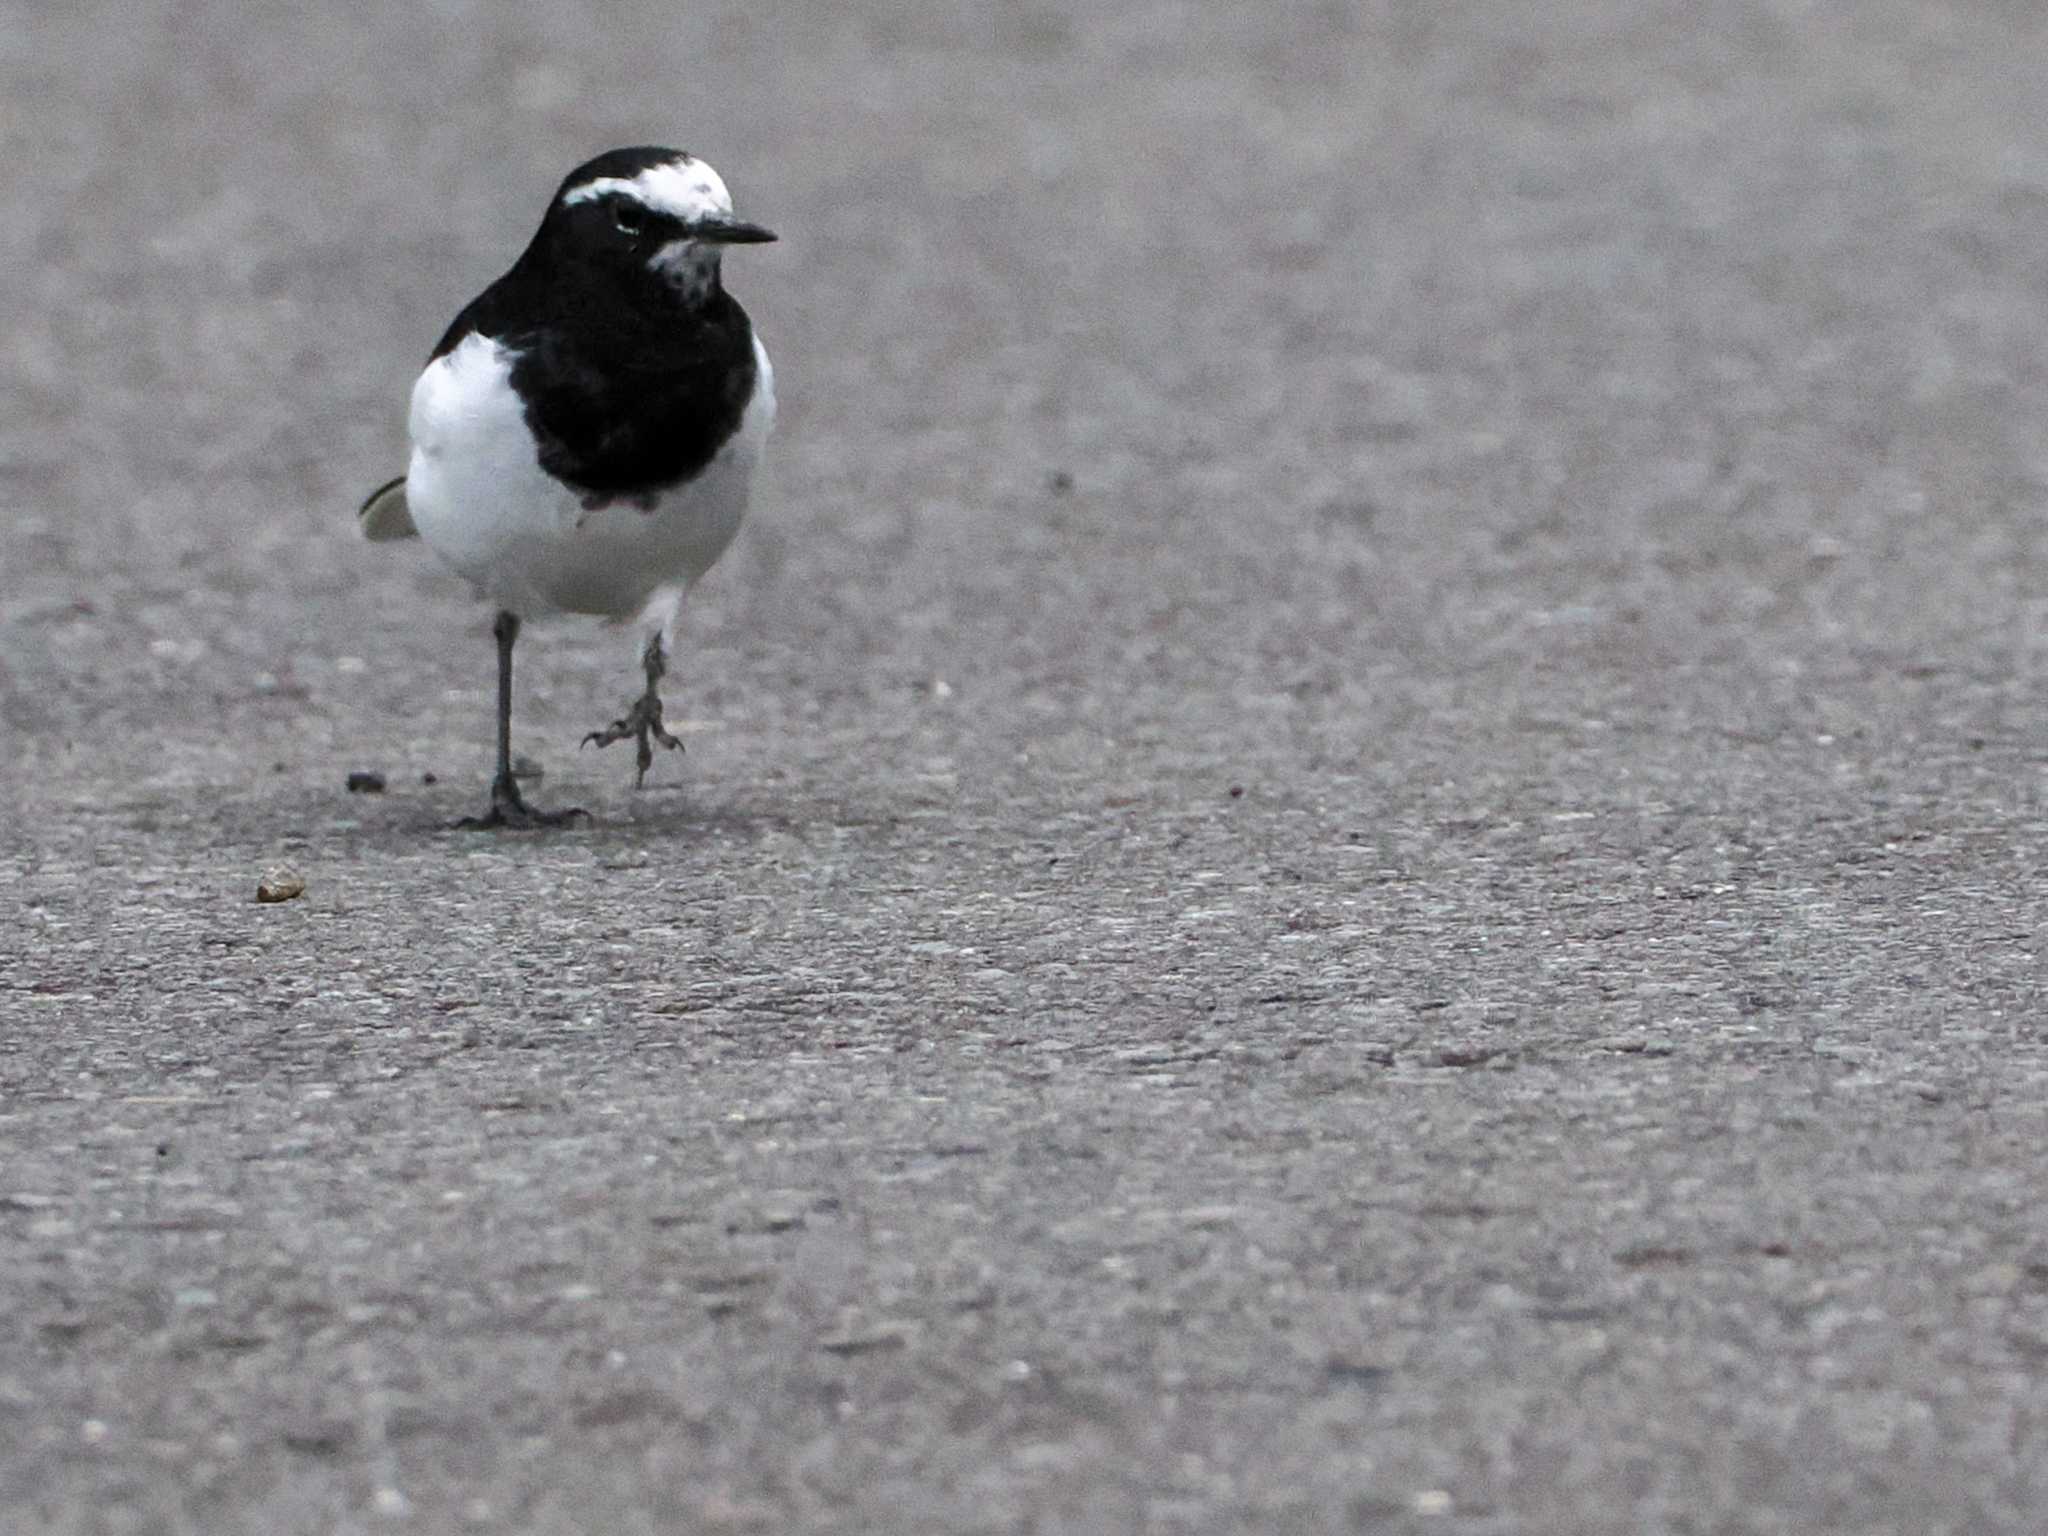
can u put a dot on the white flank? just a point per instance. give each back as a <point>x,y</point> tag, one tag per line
<point>481,500</point>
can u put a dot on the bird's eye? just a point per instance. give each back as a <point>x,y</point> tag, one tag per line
<point>631,218</point>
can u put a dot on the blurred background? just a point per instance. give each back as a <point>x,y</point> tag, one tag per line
<point>1297,356</point>
<point>1362,840</point>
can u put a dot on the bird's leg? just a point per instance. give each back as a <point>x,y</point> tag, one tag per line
<point>642,720</point>
<point>508,806</point>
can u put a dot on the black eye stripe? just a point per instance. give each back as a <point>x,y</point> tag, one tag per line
<point>630,216</point>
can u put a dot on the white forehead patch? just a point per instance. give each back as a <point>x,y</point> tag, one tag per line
<point>682,189</point>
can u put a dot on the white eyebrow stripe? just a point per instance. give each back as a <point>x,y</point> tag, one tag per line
<point>683,189</point>
<point>604,186</point>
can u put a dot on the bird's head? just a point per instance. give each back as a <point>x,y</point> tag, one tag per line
<point>652,210</point>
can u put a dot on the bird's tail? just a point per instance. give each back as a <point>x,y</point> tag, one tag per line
<point>385,515</point>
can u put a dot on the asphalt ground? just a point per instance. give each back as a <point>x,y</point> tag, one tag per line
<point>1362,840</point>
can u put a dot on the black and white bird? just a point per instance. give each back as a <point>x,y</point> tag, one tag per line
<point>585,436</point>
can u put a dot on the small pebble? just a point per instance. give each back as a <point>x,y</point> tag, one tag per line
<point>280,885</point>
<point>1470,1055</point>
<point>365,782</point>
<point>882,1337</point>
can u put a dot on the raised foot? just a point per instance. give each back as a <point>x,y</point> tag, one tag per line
<point>509,811</point>
<point>643,723</point>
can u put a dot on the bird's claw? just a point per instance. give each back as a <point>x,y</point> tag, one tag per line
<point>509,811</point>
<point>643,723</point>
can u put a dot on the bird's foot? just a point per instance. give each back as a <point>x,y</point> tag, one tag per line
<point>510,810</point>
<point>643,723</point>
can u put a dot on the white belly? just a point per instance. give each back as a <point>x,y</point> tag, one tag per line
<point>483,503</point>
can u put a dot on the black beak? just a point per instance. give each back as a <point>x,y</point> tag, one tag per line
<point>716,231</point>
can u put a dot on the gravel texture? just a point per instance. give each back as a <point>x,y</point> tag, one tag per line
<point>1362,841</point>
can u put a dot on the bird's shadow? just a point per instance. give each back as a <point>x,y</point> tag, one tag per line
<point>316,818</point>
<point>669,814</point>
